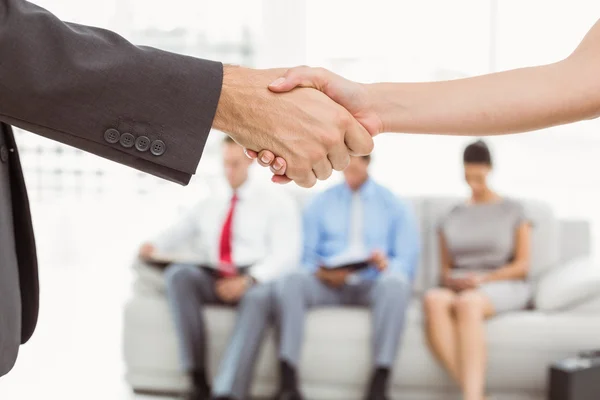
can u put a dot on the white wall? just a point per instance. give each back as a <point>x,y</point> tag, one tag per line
<point>367,41</point>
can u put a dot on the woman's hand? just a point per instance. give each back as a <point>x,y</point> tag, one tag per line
<point>469,282</point>
<point>313,133</point>
<point>277,165</point>
<point>451,283</point>
<point>353,96</point>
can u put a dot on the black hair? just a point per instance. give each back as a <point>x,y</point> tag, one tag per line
<point>477,153</point>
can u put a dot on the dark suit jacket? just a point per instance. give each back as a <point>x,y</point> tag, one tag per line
<point>91,89</point>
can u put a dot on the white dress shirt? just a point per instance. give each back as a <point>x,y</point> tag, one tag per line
<point>266,230</point>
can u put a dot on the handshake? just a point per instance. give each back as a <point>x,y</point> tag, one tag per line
<point>303,123</point>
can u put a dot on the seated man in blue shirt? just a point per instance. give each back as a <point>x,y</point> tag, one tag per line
<point>356,220</point>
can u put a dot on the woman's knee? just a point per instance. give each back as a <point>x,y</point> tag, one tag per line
<point>470,302</point>
<point>438,299</point>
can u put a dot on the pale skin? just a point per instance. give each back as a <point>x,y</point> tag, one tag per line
<point>456,312</point>
<point>512,101</point>
<point>235,165</point>
<point>314,134</point>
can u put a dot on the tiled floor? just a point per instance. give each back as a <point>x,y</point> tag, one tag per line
<point>76,351</point>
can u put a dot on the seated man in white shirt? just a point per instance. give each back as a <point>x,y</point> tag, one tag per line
<point>241,240</point>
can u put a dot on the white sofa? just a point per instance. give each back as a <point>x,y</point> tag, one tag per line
<point>336,356</point>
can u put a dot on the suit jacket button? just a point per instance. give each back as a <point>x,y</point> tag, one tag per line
<point>3,154</point>
<point>112,136</point>
<point>158,148</point>
<point>127,140</point>
<point>142,143</point>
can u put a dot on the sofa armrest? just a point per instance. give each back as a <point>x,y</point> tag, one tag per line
<point>566,287</point>
<point>149,279</point>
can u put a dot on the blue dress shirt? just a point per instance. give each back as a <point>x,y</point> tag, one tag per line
<point>389,225</point>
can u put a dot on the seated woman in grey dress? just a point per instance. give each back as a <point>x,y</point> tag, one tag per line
<point>484,247</point>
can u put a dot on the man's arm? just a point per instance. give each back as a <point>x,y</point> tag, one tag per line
<point>153,110</point>
<point>184,229</point>
<point>284,242</point>
<point>73,83</point>
<point>406,242</point>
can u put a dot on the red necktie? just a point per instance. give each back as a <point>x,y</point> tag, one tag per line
<point>226,267</point>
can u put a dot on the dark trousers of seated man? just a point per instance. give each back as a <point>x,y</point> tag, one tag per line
<point>387,296</point>
<point>189,289</point>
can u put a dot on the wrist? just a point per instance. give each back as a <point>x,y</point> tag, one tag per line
<point>372,111</point>
<point>236,91</point>
<point>445,278</point>
<point>390,104</point>
<point>222,116</point>
<point>378,96</point>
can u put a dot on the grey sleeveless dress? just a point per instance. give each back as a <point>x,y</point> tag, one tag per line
<point>481,238</point>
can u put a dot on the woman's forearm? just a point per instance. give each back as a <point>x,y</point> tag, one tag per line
<point>506,102</point>
<point>515,271</point>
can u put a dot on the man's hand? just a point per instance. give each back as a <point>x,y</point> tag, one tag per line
<point>146,251</point>
<point>335,278</point>
<point>380,260</point>
<point>304,127</point>
<point>352,96</point>
<point>231,290</point>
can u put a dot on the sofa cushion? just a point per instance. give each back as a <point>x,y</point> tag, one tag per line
<point>561,288</point>
<point>591,306</point>
<point>523,344</point>
<point>420,283</point>
<point>435,210</point>
<point>575,239</point>
<point>545,248</point>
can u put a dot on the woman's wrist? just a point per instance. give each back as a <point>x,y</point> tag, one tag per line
<point>484,278</point>
<point>445,280</point>
<point>378,99</point>
<point>391,103</point>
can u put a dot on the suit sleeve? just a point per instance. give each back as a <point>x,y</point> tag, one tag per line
<point>90,88</point>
